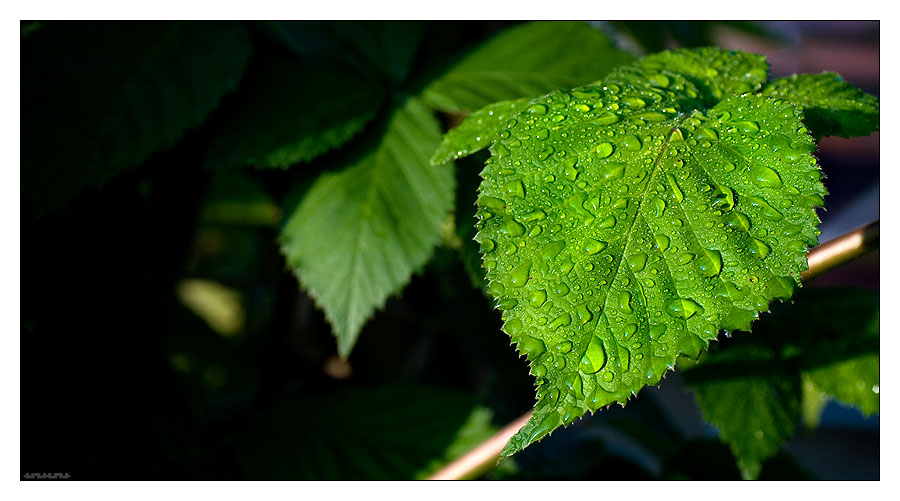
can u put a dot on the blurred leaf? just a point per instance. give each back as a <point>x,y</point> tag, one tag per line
<point>754,415</point>
<point>290,112</point>
<point>525,61</point>
<point>99,98</point>
<point>383,433</point>
<point>654,36</point>
<point>751,390</point>
<point>832,106</point>
<point>854,382</point>
<point>384,49</point>
<point>359,233</point>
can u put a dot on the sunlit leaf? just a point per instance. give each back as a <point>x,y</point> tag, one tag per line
<point>626,222</point>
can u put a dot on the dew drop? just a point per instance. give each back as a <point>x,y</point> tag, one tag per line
<point>564,346</point>
<point>609,222</point>
<point>662,242</point>
<point>536,298</point>
<point>594,357</point>
<point>684,308</point>
<point>583,314</point>
<point>611,170</point>
<point>767,210</point>
<point>758,248</point>
<point>560,321</point>
<point>603,150</point>
<point>685,258</point>
<point>676,190</point>
<point>710,263</point>
<point>625,301</point>
<point>592,246</point>
<point>637,262</point>
<point>519,276</point>
<point>764,177</point>
<point>514,189</point>
<point>513,228</point>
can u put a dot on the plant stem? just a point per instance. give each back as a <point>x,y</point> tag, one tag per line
<point>823,258</point>
<point>842,250</point>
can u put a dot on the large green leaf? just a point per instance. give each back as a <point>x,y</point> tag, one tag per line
<point>626,222</point>
<point>832,106</point>
<point>290,112</point>
<point>408,433</point>
<point>750,387</point>
<point>524,61</point>
<point>99,98</point>
<point>360,232</point>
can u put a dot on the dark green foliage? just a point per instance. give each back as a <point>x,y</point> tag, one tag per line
<point>100,98</point>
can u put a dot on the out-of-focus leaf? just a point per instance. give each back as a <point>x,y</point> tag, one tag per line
<point>751,390</point>
<point>290,112</point>
<point>525,61</point>
<point>383,433</point>
<point>832,107</point>
<point>99,98</point>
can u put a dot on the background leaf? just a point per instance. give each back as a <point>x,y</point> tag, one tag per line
<point>749,388</point>
<point>289,112</point>
<point>359,233</point>
<point>622,225</point>
<point>524,61</point>
<point>396,432</point>
<point>100,98</point>
<point>832,106</point>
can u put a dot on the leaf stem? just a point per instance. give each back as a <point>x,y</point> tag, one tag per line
<point>823,258</point>
<point>841,250</point>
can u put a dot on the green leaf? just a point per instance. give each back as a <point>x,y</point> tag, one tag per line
<point>624,223</point>
<point>100,98</point>
<point>754,388</point>
<point>716,73</point>
<point>854,382</point>
<point>832,106</point>
<point>523,61</point>
<point>291,112</point>
<point>415,431</point>
<point>360,232</point>
<point>476,132</point>
<point>754,414</point>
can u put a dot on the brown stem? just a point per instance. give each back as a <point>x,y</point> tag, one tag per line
<point>823,258</point>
